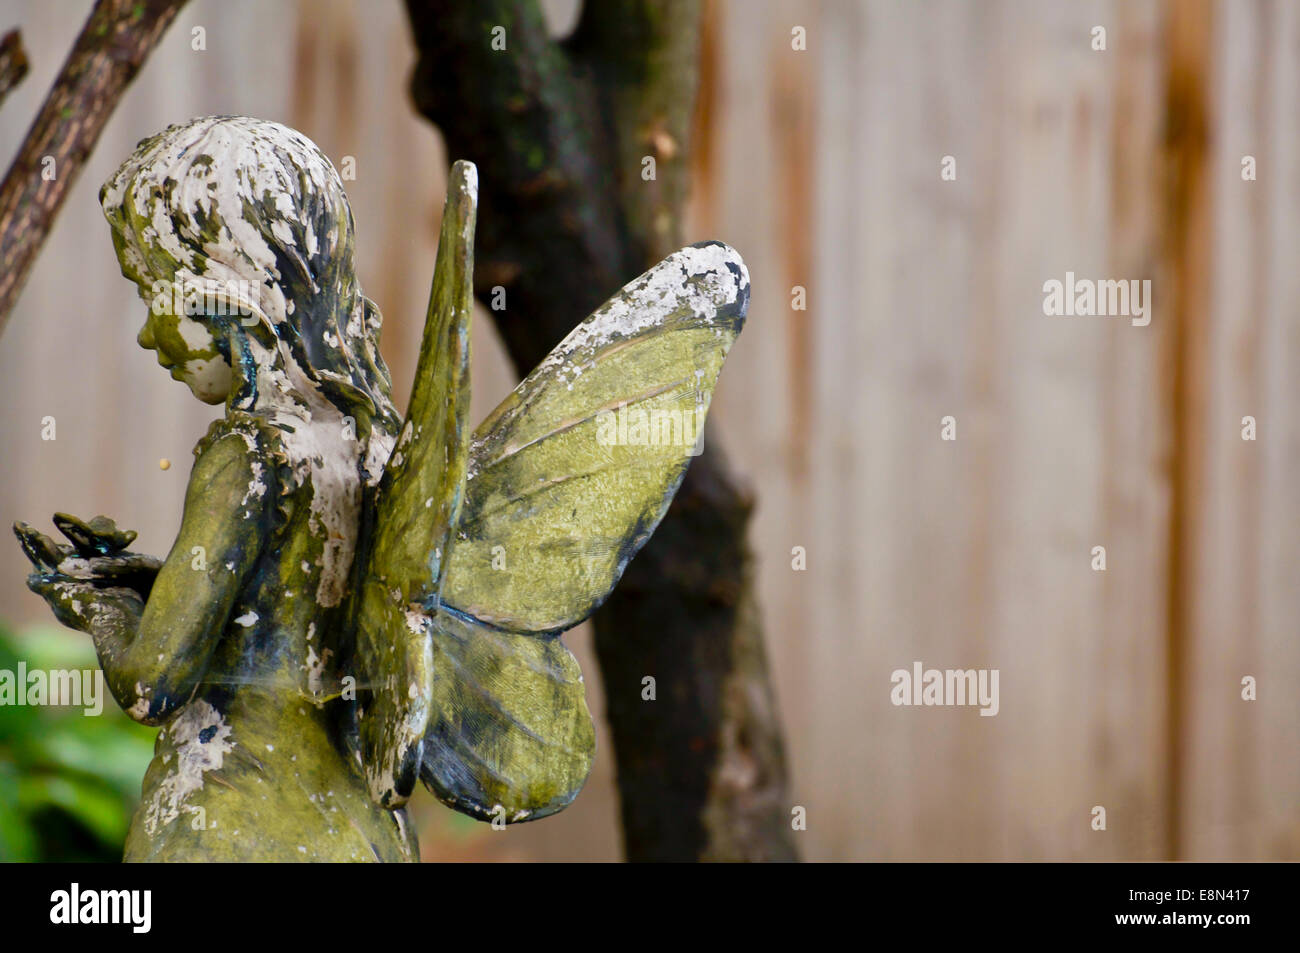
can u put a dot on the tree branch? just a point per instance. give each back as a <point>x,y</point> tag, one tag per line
<point>643,58</point>
<point>559,133</point>
<point>13,62</point>
<point>517,114</point>
<point>113,45</point>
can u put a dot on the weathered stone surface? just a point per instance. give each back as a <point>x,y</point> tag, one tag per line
<point>354,600</point>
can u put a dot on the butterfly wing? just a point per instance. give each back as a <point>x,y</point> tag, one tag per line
<point>481,551</point>
<point>567,479</point>
<point>417,504</point>
<point>570,475</point>
<point>510,735</point>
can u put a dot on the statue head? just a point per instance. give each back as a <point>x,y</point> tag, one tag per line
<point>239,235</point>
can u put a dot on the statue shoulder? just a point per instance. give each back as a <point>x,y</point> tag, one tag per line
<point>264,451</point>
<point>259,435</point>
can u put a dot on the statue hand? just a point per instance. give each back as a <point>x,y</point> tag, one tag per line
<point>99,537</point>
<point>96,568</point>
<point>77,603</point>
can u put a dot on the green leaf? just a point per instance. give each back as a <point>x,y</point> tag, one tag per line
<point>87,801</point>
<point>64,775</point>
<point>112,749</point>
<point>17,838</point>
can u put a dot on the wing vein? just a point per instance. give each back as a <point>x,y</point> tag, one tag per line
<point>566,425</point>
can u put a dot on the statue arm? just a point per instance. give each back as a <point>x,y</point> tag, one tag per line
<point>154,653</point>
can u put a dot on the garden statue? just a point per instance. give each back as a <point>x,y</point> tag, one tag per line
<point>356,600</point>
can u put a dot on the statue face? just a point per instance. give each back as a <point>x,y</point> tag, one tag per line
<point>187,348</point>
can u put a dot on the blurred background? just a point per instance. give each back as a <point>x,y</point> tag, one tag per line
<point>822,165</point>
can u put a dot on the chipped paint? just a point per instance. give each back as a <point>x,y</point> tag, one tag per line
<point>252,206</point>
<point>239,202</point>
<point>667,287</point>
<point>202,740</point>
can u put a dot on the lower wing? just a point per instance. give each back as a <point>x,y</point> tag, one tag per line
<point>509,733</point>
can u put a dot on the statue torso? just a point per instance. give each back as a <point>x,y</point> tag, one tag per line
<point>258,747</point>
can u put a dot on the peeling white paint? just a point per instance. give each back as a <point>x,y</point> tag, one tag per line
<point>256,488</point>
<point>140,710</point>
<point>194,759</point>
<point>661,292</point>
<point>253,162</point>
<point>316,666</point>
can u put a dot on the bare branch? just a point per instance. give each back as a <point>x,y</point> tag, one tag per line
<point>113,45</point>
<point>549,231</point>
<point>13,62</point>
<point>643,56</point>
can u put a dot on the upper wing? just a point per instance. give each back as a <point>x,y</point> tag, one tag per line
<point>417,504</point>
<point>570,475</point>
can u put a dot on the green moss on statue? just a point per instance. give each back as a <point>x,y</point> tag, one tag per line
<point>356,600</point>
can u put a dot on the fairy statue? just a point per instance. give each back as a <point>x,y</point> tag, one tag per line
<point>357,600</point>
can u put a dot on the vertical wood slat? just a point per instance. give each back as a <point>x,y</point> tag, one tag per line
<point>927,303</point>
<point>1187,246</point>
<point>1240,774</point>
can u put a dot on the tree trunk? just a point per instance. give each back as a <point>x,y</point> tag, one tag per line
<point>560,133</point>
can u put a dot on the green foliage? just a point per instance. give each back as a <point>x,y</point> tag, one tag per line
<point>68,782</point>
